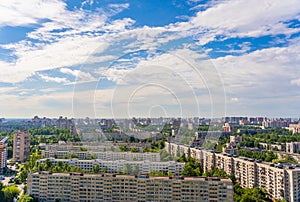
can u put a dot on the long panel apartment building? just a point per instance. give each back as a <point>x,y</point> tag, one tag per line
<point>119,166</point>
<point>280,181</point>
<point>107,155</point>
<point>47,186</point>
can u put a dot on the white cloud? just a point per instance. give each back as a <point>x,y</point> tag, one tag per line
<point>53,79</point>
<point>263,76</point>
<point>69,38</point>
<point>295,82</point>
<point>50,104</point>
<point>17,13</point>
<point>251,18</point>
<point>66,52</point>
<point>80,75</point>
<point>234,99</point>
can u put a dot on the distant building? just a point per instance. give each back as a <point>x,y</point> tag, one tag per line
<point>279,123</point>
<point>47,186</point>
<point>3,155</point>
<point>106,123</point>
<point>41,122</point>
<point>64,122</point>
<point>295,128</point>
<point>235,139</point>
<point>227,127</point>
<point>230,149</point>
<point>293,147</point>
<point>21,146</point>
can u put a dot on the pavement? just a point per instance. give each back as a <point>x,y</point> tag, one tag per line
<point>7,179</point>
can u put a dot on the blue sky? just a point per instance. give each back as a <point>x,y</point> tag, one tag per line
<point>127,58</point>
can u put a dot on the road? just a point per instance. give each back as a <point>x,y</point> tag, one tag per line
<point>7,179</point>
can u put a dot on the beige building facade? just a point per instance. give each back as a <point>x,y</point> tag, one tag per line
<point>47,186</point>
<point>21,146</point>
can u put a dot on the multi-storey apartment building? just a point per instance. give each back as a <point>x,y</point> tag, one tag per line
<point>98,146</point>
<point>281,181</point>
<point>3,155</point>
<point>47,186</point>
<point>108,155</point>
<point>135,167</point>
<point>225,162</point>
<point>21,146</point>
<point>244,171</point>
<point>292,183</point>
<point>292,147</point>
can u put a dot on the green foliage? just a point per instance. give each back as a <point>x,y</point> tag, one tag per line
<point>25,198</point>
<point>191,168</point>
<point>249,194</point>
<point>157,173</point>
<point>136,169</point>
<point>133,149</point>
<point>182,158</point>
<point>104,170</point>
<point>165,156</point>
<point>10,192</point>
<point>83,149</point>
<point>50,135</point>
<point>96,169</point>
<point>287,159</point>
<point>268,156</point>
<point>22,177</point>
<point>127,169</point>
<point>203,128</point>
<point>73,155</point>
<point>215,172</point>
<point>221,143</point>
<point>275,136</point>
<point>123,148</point>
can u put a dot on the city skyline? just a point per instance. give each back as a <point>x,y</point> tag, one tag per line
<point>136,58</point>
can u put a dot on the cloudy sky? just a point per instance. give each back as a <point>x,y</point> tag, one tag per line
<point>125,58</point>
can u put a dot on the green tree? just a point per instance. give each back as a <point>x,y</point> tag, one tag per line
<point>133,149</point>
<point>151,172</point>
<point>127,169</point>
<point>73,155</point>
<point>25,198</point>
<point>136,169</point>
<point>104,170</point>
<point>10,193</point>
<point>188,170</point>
<point>48,164</point>
<point>23,176</point>
<point>96,168</point>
